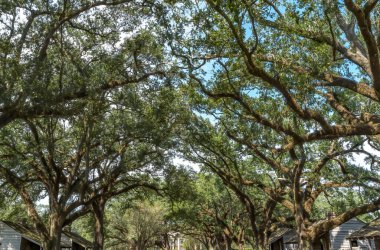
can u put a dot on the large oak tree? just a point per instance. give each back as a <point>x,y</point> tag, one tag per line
<point>296,84</point>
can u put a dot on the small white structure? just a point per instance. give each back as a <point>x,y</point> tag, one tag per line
<point>14,236</point>
<point>337,239</point>
<point>283,239</point>
<point>338,236</point>
<point>176,241</point>
<point>369,235</point>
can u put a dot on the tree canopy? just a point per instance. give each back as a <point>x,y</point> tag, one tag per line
<point>275,104</point>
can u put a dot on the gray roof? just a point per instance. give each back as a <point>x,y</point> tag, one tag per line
<point>31,234</point>
<point>78,239</point>
<point>25,231</point>
<point>293,238</point>
<point>372,230</point>
<point>279,233</point>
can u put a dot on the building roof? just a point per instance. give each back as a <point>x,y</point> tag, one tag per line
<point>372,230</point>
<point>24,230</point>
<point>293,238</point>
<point>30,234</point>
<point>78,239</point>
<point>279,233</point>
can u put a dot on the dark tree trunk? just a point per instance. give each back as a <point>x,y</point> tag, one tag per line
<point>262,241</point>
<point>260,248</point>
<point>98,207</point>
<point>53,242</point>
<point>166,242</point>
<point>305,244</point>
<point>227,242</point>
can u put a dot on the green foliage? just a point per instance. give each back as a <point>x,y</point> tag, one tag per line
<point>138,227</point>
<point>272,100</point>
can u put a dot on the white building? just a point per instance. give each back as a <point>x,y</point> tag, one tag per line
<point>337,239</point>
<point>14,236</point>
<point>369,234</point>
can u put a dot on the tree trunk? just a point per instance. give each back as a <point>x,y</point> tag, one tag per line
<point>262,240</point>
<point>98,211</point>
<point>52,244</point>
<point>55,232</point>
<point>166,242</point>
<point>305,244</point>
<point>207,243</point>
<point>227,242</point>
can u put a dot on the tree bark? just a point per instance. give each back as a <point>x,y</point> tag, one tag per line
<point>304,244</point>
<point>262,240</point>
<point>98,207</point>
<point>227,242</point>
<point>260,248</point>
<point>166,242</point>
<point>53,242</point>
